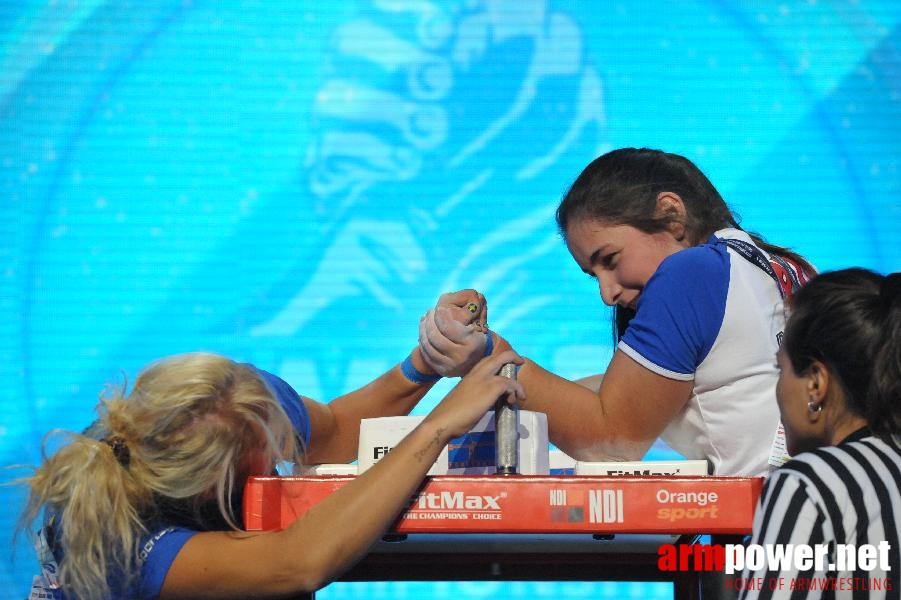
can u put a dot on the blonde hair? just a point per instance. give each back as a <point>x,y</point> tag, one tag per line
<point>183,438</point>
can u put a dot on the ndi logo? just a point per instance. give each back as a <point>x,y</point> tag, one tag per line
<point>605,506</point>
<point>558,497</point>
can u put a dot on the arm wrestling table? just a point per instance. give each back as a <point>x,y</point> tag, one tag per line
<point>530,528</point>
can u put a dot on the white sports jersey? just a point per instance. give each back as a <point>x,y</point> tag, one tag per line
<point>712,316</point>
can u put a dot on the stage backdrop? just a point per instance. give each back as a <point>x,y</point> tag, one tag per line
<point>294,183</point>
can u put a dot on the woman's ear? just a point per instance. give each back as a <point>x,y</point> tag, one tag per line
<point>818,382</point>
<point>670,205</point>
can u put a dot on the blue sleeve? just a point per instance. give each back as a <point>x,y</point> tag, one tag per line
<point>680,311</point>
<point>157,553</point>
<point>291,402</point>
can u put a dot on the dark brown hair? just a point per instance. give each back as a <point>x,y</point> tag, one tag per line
<point>621,188</point>
<point>850,320</point>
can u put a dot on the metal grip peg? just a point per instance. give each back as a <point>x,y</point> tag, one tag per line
<point>506,430</point>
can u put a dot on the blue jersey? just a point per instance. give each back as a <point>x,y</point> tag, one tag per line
<point>159,549</point>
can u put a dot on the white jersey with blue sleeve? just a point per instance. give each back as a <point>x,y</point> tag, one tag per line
<point>711,316</point>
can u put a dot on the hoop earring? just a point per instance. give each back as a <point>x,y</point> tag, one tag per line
<point>813,408</point>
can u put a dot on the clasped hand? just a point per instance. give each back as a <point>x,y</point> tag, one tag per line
<point>453,335</point>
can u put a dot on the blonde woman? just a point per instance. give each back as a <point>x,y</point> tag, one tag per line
<point>146,504</point>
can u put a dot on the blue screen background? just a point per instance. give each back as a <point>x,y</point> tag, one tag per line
<point>294,184</point>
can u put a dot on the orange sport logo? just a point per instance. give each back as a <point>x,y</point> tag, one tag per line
<point>680,506</point>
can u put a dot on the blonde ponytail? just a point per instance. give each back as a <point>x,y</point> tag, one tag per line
<point>183,436</point>
<point>93,507</point>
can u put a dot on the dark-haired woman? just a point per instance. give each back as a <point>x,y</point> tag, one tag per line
<point>839,395</point>
<point>699,316</point>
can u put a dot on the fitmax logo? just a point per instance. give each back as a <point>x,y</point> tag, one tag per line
<point>641,472</point>
<point>456,501</point>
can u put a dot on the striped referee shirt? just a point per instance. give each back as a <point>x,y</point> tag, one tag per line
<point>846,494</point>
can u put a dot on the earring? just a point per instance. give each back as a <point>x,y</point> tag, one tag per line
<point>814,408</point>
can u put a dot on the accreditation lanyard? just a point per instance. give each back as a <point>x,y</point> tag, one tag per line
<point>788,276</point>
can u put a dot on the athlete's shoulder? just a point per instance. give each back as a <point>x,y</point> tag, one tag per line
<point>706,260</point>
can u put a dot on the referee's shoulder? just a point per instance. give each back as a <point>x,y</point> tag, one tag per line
<point>813,462</point>
<point>827,459</point>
